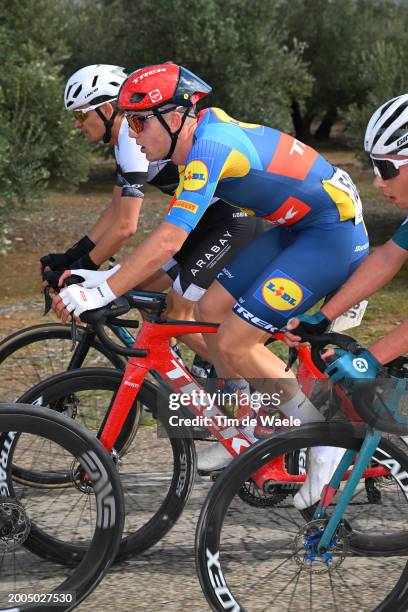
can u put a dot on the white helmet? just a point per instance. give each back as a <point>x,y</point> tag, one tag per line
<point>387,130</point>
<point>93,85</point>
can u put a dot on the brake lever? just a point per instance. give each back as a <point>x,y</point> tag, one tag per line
<point>73,333</point>
<point>292,356</point>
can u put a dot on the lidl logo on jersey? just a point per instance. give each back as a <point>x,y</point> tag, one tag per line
<point>281,292</point>
<point>195,175</point>
<point>185,206</point>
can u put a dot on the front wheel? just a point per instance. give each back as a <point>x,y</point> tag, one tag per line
<point>263,559</point>
<point>33,521</point>
<point>156,469</point>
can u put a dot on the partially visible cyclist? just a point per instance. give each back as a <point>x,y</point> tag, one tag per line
<point>316,241</point>
<point>386,141</point>
<point>91,95</point>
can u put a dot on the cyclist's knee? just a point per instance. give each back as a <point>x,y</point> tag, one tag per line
<point>231,352</point>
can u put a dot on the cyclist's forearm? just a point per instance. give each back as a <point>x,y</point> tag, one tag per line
<point>374,273</point>
<point>119,224</point>
<point>104,221</point>
<point>147,257</point>
<point>392,345</point>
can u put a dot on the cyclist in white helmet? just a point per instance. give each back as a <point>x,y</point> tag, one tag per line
<point>91,94</point>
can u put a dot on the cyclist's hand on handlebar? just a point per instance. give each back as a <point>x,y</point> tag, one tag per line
<point>77,299</point>
<point>316,324</point>
<point>58,307</point>
<point>91,278</point>
<point>350,368</point>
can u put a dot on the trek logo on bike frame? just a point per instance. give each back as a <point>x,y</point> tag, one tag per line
<point>6,443</point>
<point>236,439</point>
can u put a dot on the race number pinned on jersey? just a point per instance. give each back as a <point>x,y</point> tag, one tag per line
<point>341,180</point>
<point>350,318</point>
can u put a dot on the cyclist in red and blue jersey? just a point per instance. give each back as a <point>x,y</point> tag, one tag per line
<point>316,241</point>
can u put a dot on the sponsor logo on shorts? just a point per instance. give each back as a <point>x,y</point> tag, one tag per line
<point>185,206</point>
<point>195,175</point>
<point>217,249</point>
<point>226,272</point>
<point>361,247</point>
<point>281,292</point>
<point>251,318</point>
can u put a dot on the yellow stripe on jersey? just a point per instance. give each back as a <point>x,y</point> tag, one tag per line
<point>222,116</point>
<point>235,166</point>
<point>342,200</point>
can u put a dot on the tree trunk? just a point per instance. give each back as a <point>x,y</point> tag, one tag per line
<point>324,129</point>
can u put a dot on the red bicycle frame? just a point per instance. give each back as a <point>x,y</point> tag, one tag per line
<point>155,338</point>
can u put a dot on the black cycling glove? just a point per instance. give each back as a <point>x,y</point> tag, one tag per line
<point>63,261</point>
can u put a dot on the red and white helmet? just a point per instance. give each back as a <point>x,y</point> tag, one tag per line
<point>155,86</point>
<point>387,130</point>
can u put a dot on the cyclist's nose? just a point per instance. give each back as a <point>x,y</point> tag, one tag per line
<point>378,182</point>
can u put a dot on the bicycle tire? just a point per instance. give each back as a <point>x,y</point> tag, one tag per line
<point>217,576</point>
<point>64,406</point>
<point>78,443</point>
<point>180,453</point>
<point>26,353</point>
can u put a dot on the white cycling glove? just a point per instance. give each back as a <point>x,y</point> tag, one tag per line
<point>77,299</point>
<point>93,278</point>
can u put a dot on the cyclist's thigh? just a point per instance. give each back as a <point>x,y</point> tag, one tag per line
<point>224,233</point>
<point>318,260</point>
<point>159,281</point>
<point>215,304</point>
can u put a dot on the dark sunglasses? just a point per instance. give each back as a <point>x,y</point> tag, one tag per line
<point>387,168</point>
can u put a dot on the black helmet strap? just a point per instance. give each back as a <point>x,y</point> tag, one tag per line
<point>173,135</point>
<point>108,123</point>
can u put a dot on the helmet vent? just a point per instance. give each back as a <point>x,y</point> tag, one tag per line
<point>137,97</point>
<point>94,80</point>
<point>77,91</point>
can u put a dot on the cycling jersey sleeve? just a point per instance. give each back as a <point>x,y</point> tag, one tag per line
<point>401,235</point>
<point>208,162</point>
<point>132,165</point>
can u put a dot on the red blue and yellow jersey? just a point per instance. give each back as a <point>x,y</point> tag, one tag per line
<point>263,171</point>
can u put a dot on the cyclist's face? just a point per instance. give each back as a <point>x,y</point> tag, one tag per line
<point>153,139</point>
<point>395,189</point>
<point>92,127</point>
